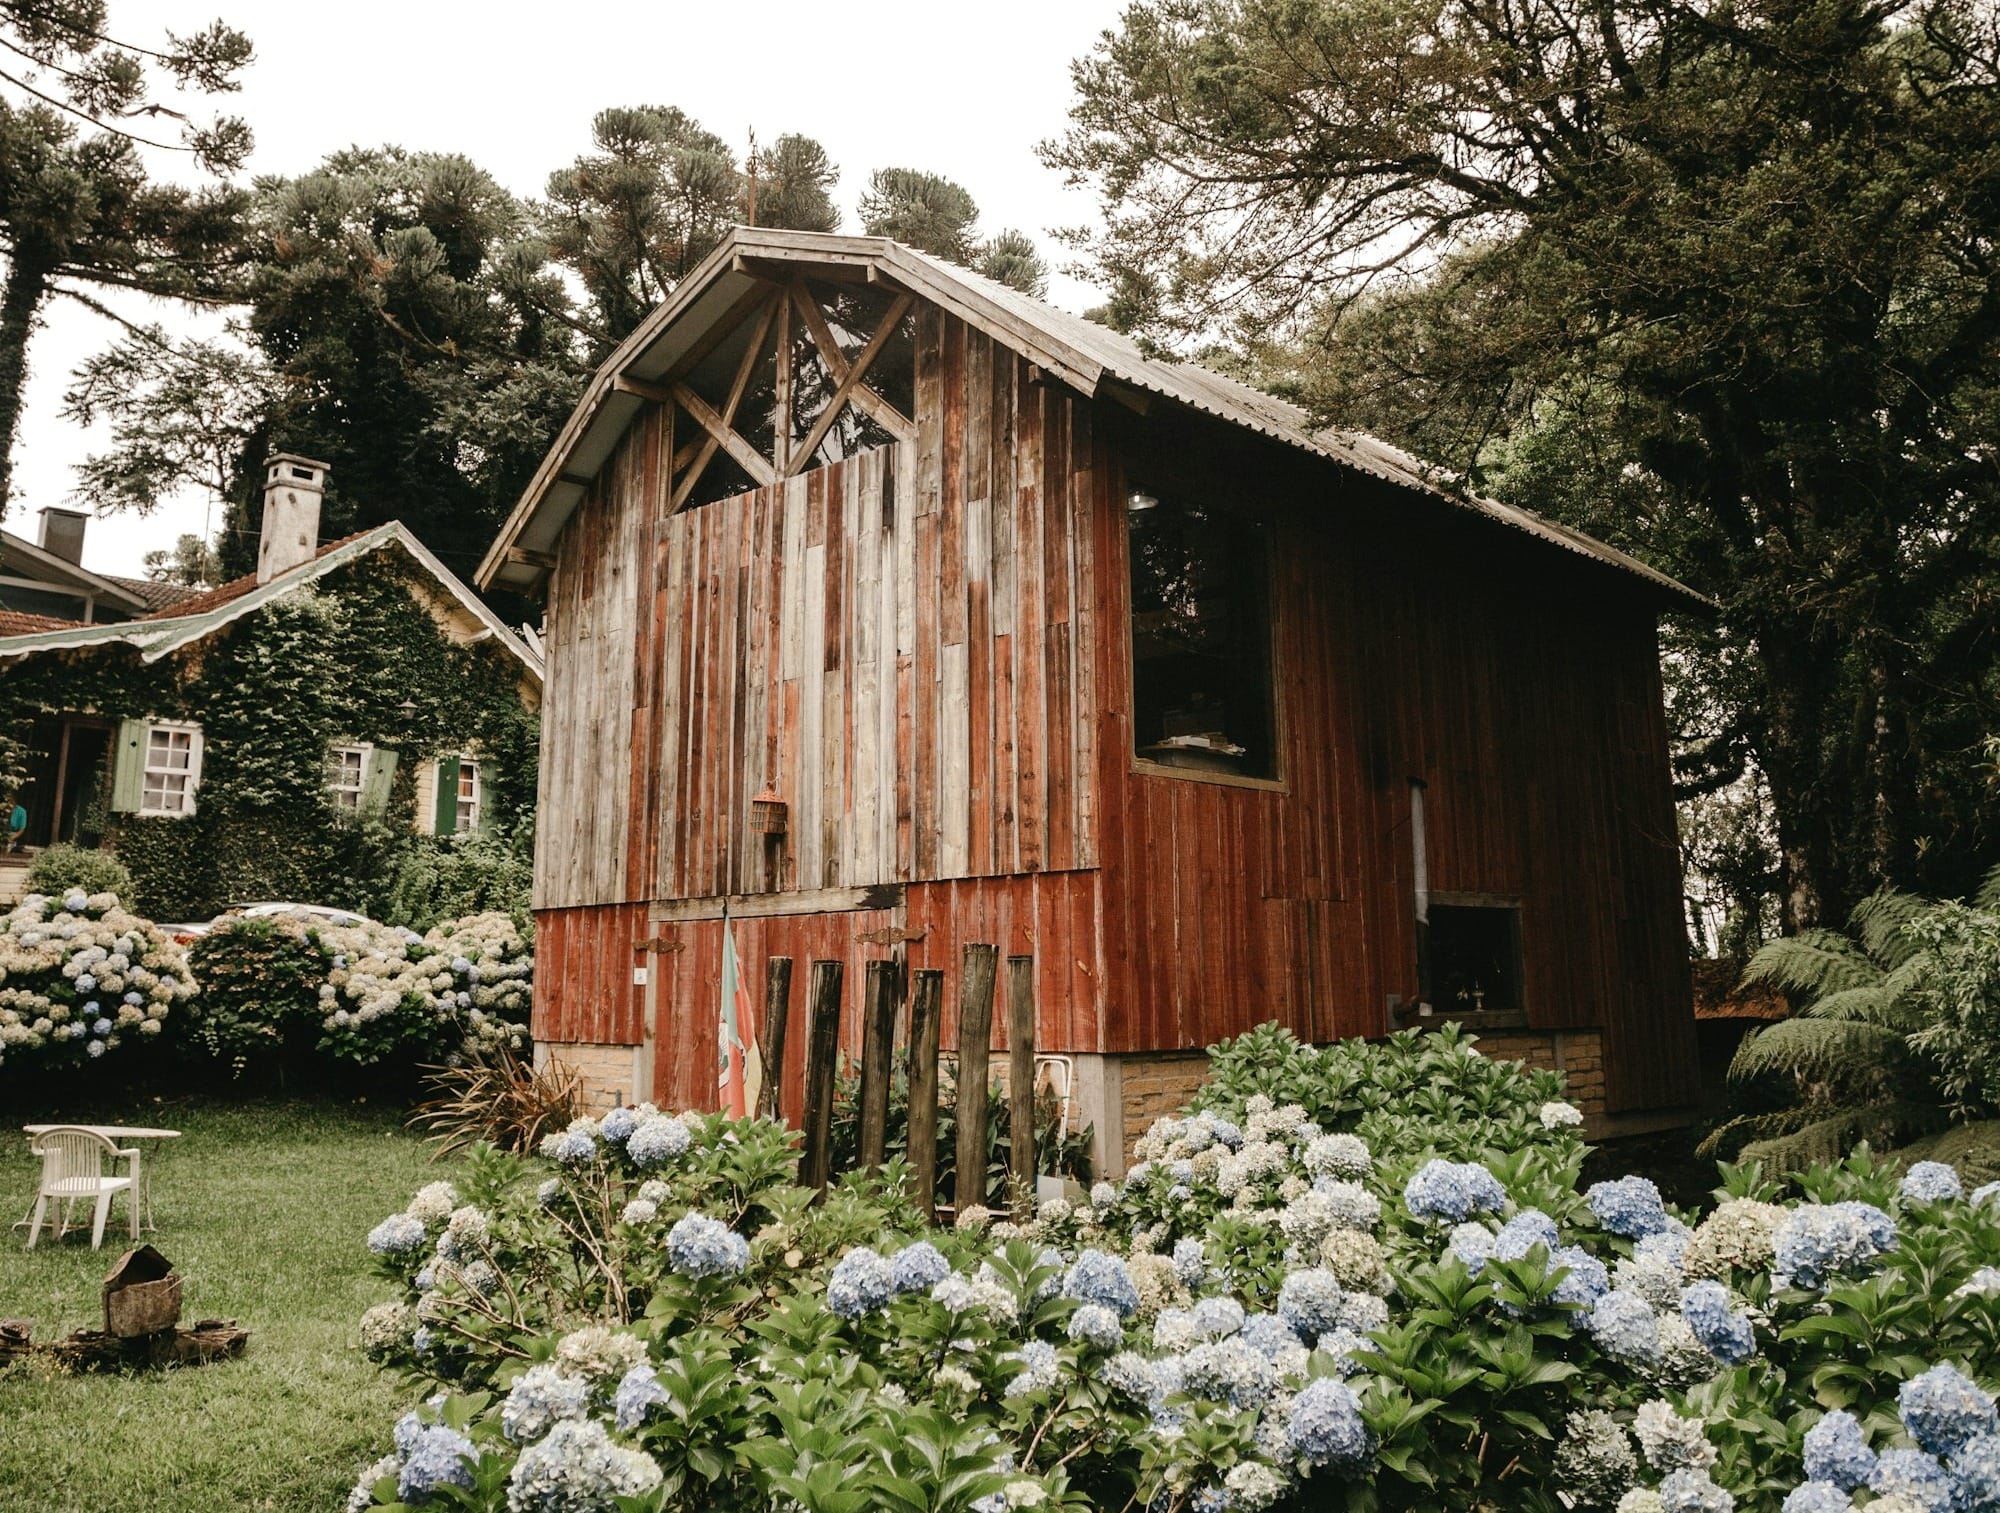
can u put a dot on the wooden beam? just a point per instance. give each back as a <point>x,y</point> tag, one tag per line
<point>781,405</point>
<point>743,371</point>
<point>1021,1084</point>
<point>926,1013</point>
<point>752,461</point>
<point>864,398</point>
<point>639,388</point>
<point>771,1044</point>
<point>822,1057</point>
<point>851,386</point>
<point>878,1034</point>
<point>524,557</point>
<point>779,905</point>
<point>975,1039</point>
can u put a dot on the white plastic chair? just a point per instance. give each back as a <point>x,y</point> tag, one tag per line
<point>73,1170</point>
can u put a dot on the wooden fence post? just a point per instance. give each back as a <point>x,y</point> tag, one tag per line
<point>1021,1082</point>
<point>975,1038</point>
<point>822,1052</point>
<point>926,1012</point>
<point>878,1038</point>
<point>777,1009</point>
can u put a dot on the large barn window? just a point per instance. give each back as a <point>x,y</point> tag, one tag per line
<point>1201,638</point>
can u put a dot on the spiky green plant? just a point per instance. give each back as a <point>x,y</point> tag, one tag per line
<point>1896,1031</point>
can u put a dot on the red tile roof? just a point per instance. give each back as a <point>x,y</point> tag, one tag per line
<point>151,592</point>
<point>14,622</point>
<point>214,598</point>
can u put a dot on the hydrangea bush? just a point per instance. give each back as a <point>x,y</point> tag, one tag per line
<point>366,993</point>
<point>80,977</point>
<point>1285,1305</point>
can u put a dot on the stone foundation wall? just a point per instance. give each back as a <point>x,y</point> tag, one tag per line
<point>1577,1054</point>
<point>610,1072</point>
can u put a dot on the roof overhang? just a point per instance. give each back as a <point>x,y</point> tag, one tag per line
<point>19,553</point>
<point>1090,358</point>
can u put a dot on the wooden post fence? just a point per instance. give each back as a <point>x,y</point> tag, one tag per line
<point>822,1053</point>
<point>777,1009</point>
<point>878,1039</point>
<point>1021,1083</point>
<point>926,1013</point>
<point>975,1038</point>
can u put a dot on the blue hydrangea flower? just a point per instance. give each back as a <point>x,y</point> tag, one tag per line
<point>397,1235</point>
<point>1190,1263</point>
<point>439,1457</point>
<point>618,1125</point>
<point>1630,1207</point>
<point>1976,1464</point>
<point>1310,1301</point>
<point>1228,1370</point>
<point>1473,1244</point>
<point>918,1267</point>
<point>1102,1195</point>
<point>1727,1334</point>
<point>1216,1317</point>
<point>1985,1194</point>
<point>1038,1368</point>
<point>1931,1182</point>
<point>1100,1278</point>
<point>1668,1245</point>
<point>1453,1191</point>
<point>861,1283</point>
<point>638,1390</point>
<point>1586,1280</point>
<point>656,1140</point>
<point>1625,1327</point>
<point>1522,1233</point>
<point>1691,1491</point>
<point>1097,1326</point>
<point>1837,1451</point>
<point>698,1246</point>
<point>541,1398</point>
<point>572,1147</point>
<point>1269,1335</point>
<point>547,1193</point>
<point>1915,1475</point>
<point>1818,1242</point>
<point>1944,1408</point>
<point>1130,1373</point>
<point>1326,1427</point>
<point>1817,1497</point>
<point>578,1468</point>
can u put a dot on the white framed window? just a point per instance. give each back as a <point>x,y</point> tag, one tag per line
<point>172,770</point>
<point>347,770</point>
<point>469,796</point>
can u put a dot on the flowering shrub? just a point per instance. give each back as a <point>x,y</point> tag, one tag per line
<point>364,993</point>
<point>79,976</point>
<point>1273,1311</point>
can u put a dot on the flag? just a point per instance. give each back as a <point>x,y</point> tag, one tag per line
<point>738,1073</point>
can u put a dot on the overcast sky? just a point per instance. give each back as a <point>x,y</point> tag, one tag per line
<point>961,91</point>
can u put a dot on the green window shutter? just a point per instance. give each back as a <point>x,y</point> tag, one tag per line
<point>487,773</point>
<point>447,795</point>
<point>378,770</point>
<point>128,777</point>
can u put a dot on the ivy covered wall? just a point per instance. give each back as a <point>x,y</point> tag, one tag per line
<point>356,658</point>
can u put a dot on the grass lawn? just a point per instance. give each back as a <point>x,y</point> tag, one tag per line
<point>262,1208</point>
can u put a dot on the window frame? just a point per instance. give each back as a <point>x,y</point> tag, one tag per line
<point>464,823</point>
<point>192,772</point>
<point>1280,779</point>
<point>337,791</point>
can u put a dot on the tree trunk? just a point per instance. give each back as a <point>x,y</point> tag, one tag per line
<point>27,286</point>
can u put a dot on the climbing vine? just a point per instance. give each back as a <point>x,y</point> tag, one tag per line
<point>357,657</point>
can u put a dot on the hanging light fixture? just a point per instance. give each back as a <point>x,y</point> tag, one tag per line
<point>1139,501</point>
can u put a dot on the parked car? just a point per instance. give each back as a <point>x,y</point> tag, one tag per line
<point>323,912</point>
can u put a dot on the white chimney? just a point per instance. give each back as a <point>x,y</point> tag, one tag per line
<point>62,533</point>
<point>293,486</point>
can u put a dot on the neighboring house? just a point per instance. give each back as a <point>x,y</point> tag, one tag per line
<point>231,744</point>
<point>1039,640</point>
<point>48,579</point>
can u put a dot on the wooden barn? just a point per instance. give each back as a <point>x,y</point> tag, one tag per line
<point>1026,637</point>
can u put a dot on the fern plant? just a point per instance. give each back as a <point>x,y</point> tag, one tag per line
<point>1896,1032</point>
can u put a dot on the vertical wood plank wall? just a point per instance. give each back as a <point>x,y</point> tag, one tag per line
<point>923,649</point>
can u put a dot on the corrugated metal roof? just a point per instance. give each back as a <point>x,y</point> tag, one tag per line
<point>1080,351</point>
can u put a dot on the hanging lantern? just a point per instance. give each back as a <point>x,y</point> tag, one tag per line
<point>767,814</point>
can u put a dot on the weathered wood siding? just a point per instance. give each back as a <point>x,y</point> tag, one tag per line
<point>924,651</point>
<point>887,643</point>
<point>584,959</point>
